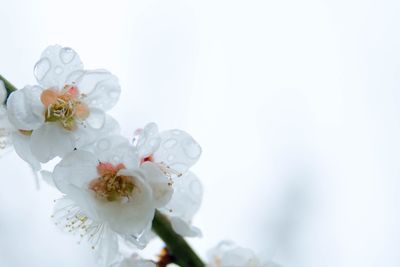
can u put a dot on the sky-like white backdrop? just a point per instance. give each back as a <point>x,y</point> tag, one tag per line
<point>295,103</point>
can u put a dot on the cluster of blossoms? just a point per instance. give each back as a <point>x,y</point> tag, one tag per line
<point>112,187</point>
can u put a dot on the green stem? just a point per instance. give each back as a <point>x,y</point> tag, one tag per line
<point>9,86</point>
<point>176,244</point>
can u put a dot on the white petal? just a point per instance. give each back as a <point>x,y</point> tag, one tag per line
<point>86,135</point>
<point>104,240</point>
<point>55,65</point>
<point>186,200</point>
<point>96,118</point>
<point>107,143</point>
<point>132,216</point>
<point>102,88</point>
<point>183,228</point>
<point>107,250</point>
<point>77,168</point>
<point>140,241</point>
<point>148,140</point>
<point>161,186</point>
<point>178,150</point>
<point>22,148</point>
<point>50,141</point>
<point>119,151</point>
<point>25,111</point>
<point>47,176</point>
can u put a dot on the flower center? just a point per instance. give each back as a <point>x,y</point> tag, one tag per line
<point>109,185</point>
<point>64,106</point>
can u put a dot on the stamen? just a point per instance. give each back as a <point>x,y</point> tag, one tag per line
<point>109,185</point>
<point>65,107</point>
<point>168,171</point>
<point>70,218</point>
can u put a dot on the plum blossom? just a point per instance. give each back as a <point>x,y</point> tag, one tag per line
<point>174,152</point>
<point>109,195</point>
<point>227,254</point>
<point>67,109</point>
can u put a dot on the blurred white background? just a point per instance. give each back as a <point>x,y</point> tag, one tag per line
<point>295,104</point>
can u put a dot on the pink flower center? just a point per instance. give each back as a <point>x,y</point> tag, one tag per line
<point>110,185</point>
<point>64,106</point>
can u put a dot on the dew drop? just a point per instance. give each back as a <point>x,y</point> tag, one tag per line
<point>169,143</point>
<point>67,55</point>
<point>42,68</point>
<point>58,70</point>
<point>96,119</point>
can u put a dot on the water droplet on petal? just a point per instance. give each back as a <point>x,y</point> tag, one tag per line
<point>58,70</point>
<point>170,158</point>
<point>96,119</point>
<point>191,148</point>
<point>42,68</point>
<point>169,143</point>
<point>67,55</point>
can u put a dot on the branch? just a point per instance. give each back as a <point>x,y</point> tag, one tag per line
<point>179,248</point>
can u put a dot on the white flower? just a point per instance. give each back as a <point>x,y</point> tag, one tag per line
<point>108,193</point>
<point>227,254</point>
<point>174,151</point>
<point>67,110</point>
